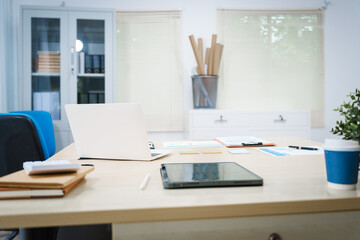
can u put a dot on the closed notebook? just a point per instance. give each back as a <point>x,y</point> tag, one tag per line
<point>23,193</point>
<point>49,181</point>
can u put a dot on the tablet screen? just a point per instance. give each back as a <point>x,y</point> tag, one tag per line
<point>229,172</point>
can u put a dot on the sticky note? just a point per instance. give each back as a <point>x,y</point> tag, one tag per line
<point>211,152</point>
<point>184,153</point>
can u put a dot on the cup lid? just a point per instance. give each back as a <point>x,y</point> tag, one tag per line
<point>341,145</point>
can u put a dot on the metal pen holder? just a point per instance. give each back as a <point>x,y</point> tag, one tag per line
<point>204,91</point>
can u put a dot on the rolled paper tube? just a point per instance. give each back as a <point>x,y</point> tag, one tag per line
<point>221,52</point>
<point>217,58</point>
<point>201,50</point>
<point>211,60</point>
<point>207,57</point>
<point>197,57</point>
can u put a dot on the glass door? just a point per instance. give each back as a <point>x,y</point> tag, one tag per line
<point>89,37</point>
<point>90,48</point>
<point>45,65</point>
<point>45,41</point>
<point>67,59</point>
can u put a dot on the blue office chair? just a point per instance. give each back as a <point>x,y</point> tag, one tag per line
<point>22,139</point>
<point>44,125</point>
<point>19,142</point>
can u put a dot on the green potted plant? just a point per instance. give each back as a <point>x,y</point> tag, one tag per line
<point>349,128</point>
<point>342,156</point>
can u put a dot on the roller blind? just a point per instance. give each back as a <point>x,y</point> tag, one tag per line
<point>272,60</point>
<point>149,66</point>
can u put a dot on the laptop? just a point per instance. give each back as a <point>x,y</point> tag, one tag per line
<point>111,131</point>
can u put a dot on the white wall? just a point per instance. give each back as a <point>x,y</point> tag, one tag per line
<point>341,36</point>
<point>7,62</point>
<point>342,57</point>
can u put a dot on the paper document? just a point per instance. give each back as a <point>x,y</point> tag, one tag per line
<point>284,151</point>
<point>192,144</point>
<point>243,141</point>
<point>238,151</point>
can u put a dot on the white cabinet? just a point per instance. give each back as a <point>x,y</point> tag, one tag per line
<point>67,57</point>
<point>329,226</point>
<point>208,124</point>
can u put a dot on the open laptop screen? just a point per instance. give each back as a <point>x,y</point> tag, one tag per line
<point>109,131</point>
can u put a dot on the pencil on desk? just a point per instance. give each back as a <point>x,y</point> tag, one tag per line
<point>145,181</point>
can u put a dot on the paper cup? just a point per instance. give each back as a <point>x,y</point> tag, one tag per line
<point>342,163</point>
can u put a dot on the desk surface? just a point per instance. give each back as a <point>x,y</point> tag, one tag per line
<point>111,194</point>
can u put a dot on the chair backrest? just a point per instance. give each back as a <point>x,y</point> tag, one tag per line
<point>45,124</point>
<point>19,142</point>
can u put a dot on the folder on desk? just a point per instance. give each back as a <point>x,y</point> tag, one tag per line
<point>23,193</point>
<point>243,141</point>
<point>21,185</point>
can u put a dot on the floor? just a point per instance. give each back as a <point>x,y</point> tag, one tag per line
<point>4,234</point>
<point>88,232</point>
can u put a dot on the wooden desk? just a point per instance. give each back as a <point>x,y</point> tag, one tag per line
<point>294,201</point>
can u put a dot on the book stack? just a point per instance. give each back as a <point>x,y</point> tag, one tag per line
<point>19,185</point>
<point>96,64</point>
<point>91,63</point>
<point>102,63</point>
<point>88,63</point>
<point>48,61</point>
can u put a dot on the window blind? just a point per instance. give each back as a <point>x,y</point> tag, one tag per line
<point>149,66</point>
<point>6,55</point>
<point>272,60</point>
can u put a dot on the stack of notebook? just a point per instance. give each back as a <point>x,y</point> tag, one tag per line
<point>21,185</point>
<point>48,62</point>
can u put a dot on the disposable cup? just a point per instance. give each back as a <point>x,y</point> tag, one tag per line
<point>342,163</point>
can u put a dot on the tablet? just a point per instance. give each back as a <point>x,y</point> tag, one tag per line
<point>214,174</point>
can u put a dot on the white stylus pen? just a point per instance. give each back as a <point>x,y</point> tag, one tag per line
<point>145,181</point>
